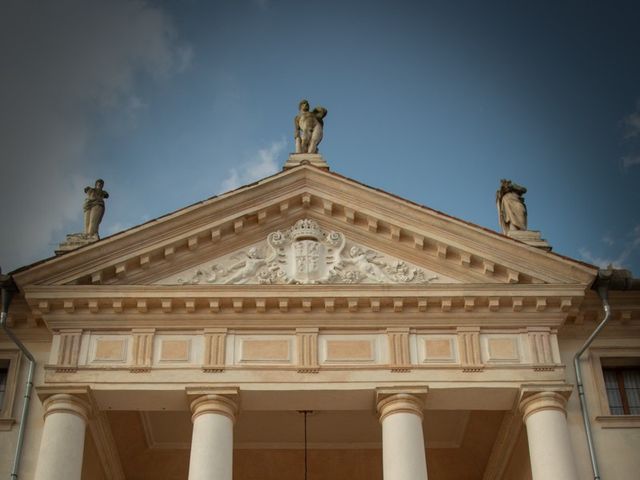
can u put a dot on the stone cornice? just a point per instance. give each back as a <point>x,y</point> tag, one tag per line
<point>77,305</point>
<point>306,190</point>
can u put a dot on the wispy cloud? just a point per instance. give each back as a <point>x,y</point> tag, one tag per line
<point>608,239</point>
<point>630,161</point>
<point>263,4</point>
<point>631,124</point>
<point>61,65</point>
<point>630,245</point>
<point>264,164</point>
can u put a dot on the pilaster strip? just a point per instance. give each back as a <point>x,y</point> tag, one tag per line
<point>540,346</point>
<point>503,447</point>
<point>69,350</point>
<point>307,342</point>
<point>399,357</point>
<point>469,347</point>
<point>142,349</point>
<point>106,446</point>
<point>215,340</point>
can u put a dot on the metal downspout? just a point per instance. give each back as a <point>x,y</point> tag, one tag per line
<point>603,293</point>
<point>609,279</point>
<point>8,288</point>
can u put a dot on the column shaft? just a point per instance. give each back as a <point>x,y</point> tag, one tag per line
<point>212,439</point>
<point>548,436</point>
<point>403,449</point>
<point>62,444</point>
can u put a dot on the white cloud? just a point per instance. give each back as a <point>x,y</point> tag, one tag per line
<point>630,244</point>
<point>265,164</point>
<point>608,239</point>
<point>601,262</point>
<point>632,124</point>
<point>630,161</point>
<point>62,64</point>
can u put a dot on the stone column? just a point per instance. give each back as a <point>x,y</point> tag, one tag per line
<point>545,416</point>
<point>403,449</point>
<point>62,444</point>
<point>212,441</point>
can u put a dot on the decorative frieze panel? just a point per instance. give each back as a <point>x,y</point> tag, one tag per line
<point>308,349</point>
<point>305,254</point>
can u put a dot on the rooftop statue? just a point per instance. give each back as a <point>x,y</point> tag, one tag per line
<point>94,208</point>
<point>308,128</point>
<point>512,212</point>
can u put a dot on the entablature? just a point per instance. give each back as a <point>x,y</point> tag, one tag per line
<point>195,306</point>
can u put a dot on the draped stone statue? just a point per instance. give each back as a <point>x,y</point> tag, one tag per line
<point>94,208</point>
<point>512,212</point>
<point>308,128</point>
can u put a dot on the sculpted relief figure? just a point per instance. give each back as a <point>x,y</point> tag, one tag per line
<point>512,212</point>
<point>308,128</point>
<point>94,208</point>
<point>367,264</point>
<point>247,268</point>
<point>305,254</point>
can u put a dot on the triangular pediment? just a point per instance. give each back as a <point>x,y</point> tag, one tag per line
<point>385,239</point>
<point>305,254</point>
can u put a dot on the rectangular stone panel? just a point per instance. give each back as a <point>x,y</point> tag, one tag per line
<point>349,350</point>
<point>109,349</point>
<point>501,348</point>
<point>437,349</point>
<point>175,350</point>
<point>353,349</point>
<point>267,350</point>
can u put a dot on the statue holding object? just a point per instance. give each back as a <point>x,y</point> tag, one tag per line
<point>512,212</point>
<point>94,208</point>
<point>308,128</point>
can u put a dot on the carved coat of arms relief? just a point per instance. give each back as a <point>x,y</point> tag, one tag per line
<point>305,254</point>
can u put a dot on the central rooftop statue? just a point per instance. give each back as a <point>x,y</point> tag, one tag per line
<point>308,127</point>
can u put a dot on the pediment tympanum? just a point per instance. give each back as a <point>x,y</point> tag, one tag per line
<point>387,240</point>
<point>305,254</point>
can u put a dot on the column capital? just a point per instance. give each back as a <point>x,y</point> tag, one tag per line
<point>400,399</point>
<point>76,400</point>
<point>536,398</point>
<point>65,403</point>
<point>222,401</point>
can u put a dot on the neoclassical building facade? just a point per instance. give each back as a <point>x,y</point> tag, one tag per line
<point>309,326</point>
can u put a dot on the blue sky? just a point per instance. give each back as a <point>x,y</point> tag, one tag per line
<point>173,102</point>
